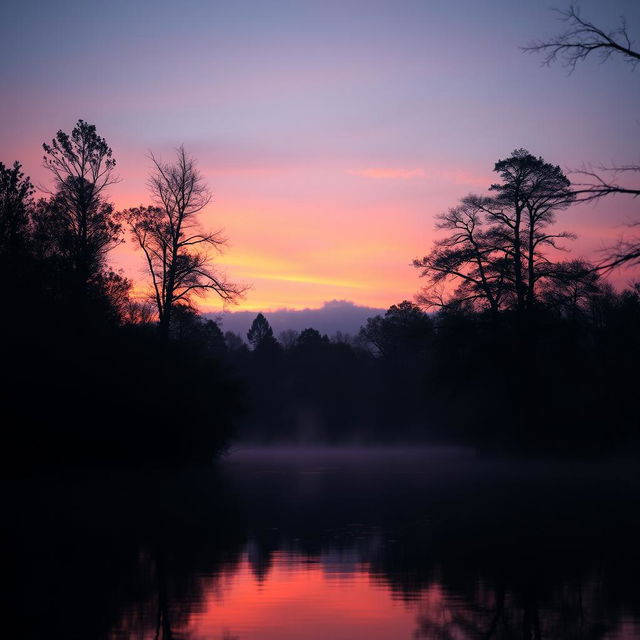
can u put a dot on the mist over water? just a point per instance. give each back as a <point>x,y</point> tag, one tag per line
<point>331,542</point>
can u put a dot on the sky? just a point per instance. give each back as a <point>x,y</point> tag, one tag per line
<point>331,133</point>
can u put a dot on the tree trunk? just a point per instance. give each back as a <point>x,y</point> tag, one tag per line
<point>517,262</point>
<point>531,268</point>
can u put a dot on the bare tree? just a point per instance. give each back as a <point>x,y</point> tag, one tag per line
<point>597,185</point>
<point>138,312</point>
<point>177,251</point>
<point>469,256</point>
<point>583,39</point>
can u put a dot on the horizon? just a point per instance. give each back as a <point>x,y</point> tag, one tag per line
<point>334,316</point>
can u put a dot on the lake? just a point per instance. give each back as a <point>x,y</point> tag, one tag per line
<point>276,544</point>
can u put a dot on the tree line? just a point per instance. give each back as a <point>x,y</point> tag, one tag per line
<point>521,347</point>
<point>509,343</point>
<point>101,375</point>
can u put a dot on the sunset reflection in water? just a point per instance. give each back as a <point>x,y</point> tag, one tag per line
<point>302,598</point>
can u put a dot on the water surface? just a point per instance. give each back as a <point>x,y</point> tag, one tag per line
<point>278,544</point>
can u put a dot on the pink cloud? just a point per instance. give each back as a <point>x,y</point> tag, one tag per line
<point>452,176</point>
<point>386,173</point>
<point>457,176</point>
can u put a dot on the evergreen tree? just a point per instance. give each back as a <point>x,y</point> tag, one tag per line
<point>260,332</point>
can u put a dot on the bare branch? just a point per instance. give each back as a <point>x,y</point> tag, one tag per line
<point>177,251</point>
<point>582,39</point>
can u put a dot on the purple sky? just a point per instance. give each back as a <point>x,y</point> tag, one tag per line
<point>331,132</point>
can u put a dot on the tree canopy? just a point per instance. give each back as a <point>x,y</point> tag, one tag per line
<point>495,252</point>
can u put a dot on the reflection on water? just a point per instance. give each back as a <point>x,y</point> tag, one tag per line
<point>301,598</point>
<point>348,544</point>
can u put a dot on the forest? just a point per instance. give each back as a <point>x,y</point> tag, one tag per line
<point>508,345</point>
<point>512,342</point>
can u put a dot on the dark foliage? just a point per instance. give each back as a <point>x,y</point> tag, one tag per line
<point>496,252</point>
<point>177,251</point>
<point>534,357</point>
<point>526,353</point>
<point>113,554</point>
<point>561,381</point>
<point>84,368</point>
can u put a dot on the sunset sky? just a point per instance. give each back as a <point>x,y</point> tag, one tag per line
<point>330,132</point>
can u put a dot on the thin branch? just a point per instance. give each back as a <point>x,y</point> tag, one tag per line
<point>582,39</point>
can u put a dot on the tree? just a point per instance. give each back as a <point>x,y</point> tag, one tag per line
<point>202,334</point>
<point>525,203</point>
<point>20,280</point>
<point>402,332</point>
<point>571,290</point>
<point>234,342</point>
<point>260,332</point>
<point>288,338</point>
<point>468,256</point>
<point>177,252</point>
<point>494,252</point>
<point>81,226</point>
<point>114,289</point>
<point>16,193</point>
<point>138,312</point>
<point>310,341</point>
<point>581,40</point>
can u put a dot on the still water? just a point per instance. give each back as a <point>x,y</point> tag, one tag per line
<point>331,544</point>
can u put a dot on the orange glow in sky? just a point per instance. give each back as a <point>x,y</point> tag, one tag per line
<point>331,133</point>
<point>297,252</point>
<point>301,238</point>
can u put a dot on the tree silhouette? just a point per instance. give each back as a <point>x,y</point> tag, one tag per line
<point>16,263</point>
<point>16,193</point>
<point>494,250</point>
<point>287,338</point>
<point>78,226</point>
<point>470,256</point>
<point>571,290</point>
<point>310,340</point>
<point>525,203</point>
<point>177,252</point>
<point>260,332</point>
<point>584,39</point>
<point>401,333</point>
